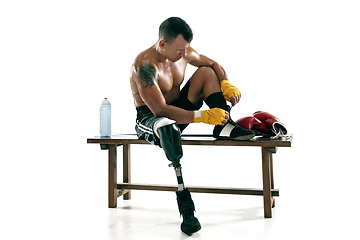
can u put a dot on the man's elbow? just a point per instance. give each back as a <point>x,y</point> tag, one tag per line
<point>160,111</point>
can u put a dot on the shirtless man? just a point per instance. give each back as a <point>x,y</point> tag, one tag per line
<point>164,111</point>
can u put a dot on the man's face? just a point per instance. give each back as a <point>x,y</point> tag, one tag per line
<point>177,49</point>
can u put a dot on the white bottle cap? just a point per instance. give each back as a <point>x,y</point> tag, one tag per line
<point>106,101</point>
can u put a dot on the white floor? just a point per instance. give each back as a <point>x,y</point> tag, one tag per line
<point>151,215</point>
<point>69,200</point>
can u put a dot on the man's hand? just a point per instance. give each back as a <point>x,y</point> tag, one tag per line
<point>213,116</point>
<point>230,92</point>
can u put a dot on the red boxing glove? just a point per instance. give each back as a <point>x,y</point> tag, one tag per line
<point>272,122</point>
<point>252,123</point>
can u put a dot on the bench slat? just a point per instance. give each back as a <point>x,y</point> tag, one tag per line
<point>122,139</point>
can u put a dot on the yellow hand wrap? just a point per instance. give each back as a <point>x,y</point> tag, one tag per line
<point>214,116</point>
<point>229,90</point>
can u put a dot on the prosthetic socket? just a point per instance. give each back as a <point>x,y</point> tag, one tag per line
<point>170,140</point>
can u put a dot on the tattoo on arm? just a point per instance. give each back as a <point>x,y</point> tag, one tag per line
<point>147,75</point>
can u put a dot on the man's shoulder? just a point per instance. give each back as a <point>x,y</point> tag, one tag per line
<point>144,58</point>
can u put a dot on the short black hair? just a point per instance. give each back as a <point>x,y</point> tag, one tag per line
<point>172,27</point>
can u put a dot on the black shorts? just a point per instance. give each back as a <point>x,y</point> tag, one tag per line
<point>145,119</point>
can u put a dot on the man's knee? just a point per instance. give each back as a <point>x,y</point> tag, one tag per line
<point>203,75</point>
<point>206,71</point>
<point>170,139</point>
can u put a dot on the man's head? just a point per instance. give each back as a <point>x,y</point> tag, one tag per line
<point>175,36</point>
<point>170,29</point>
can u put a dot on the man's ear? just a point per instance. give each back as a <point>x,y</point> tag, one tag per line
<point>162,44</point>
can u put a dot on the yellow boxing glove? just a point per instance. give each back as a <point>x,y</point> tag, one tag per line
<point>229,90</point>
<point>214,116</point>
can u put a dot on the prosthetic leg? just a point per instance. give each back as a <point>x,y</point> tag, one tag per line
<point>170,140</point>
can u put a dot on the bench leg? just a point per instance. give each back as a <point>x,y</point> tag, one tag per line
<point>272,177</point>
<point>126,169</point>
<point>266,170</point>
<point>112,198</point>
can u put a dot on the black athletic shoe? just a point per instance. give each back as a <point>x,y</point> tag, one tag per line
<point>186,206</point>
<point>232,131</point>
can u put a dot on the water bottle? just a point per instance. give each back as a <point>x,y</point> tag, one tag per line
<point>105,118</point>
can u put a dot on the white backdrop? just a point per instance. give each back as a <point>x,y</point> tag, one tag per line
<point>58,59</point>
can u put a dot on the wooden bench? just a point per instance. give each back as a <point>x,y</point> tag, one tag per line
<point>268,148</point>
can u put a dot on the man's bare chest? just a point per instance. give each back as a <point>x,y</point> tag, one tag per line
<point>171,77</point>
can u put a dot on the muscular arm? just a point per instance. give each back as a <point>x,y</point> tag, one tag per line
<point>199,60</point>
<point>152,96</point>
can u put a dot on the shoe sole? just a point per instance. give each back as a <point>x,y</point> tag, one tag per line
<point>240,138</point>
<point>196,229</point>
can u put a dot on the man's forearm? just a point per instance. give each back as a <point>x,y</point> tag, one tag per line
<point>220,72</point>
<point>179,115</point>
<point>214,116</point>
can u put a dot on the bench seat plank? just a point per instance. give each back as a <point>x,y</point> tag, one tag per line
<point>121,139</point>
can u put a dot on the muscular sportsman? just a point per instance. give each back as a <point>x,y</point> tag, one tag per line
<point>164,110</point>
